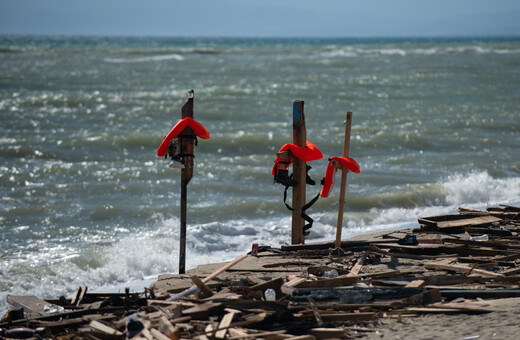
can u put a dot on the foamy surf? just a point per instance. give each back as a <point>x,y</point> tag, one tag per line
<point>136,259</point>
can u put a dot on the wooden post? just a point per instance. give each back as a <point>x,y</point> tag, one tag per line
<point>187,138</point>
<point>299,174</point>
<point>346,146</point>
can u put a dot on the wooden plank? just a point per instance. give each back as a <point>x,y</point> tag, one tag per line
<point>338,317</point>
<point>357,267</point>
<point>194,289</point>
<point>207,292</point>
<point>75,297</point>
<point>353,295</point>
<point>328,282</point>
<point>202,310</point>
<point>445,310</point>
<point>289,287</point>
<point>480,293</point>
<point>224,325</point>
<point>510,207</point>
<point>315,311</point>
<point>327,245</point>
<point>30,304</point>
<point>301,337</point>
<point>342,193</point>
<point>98,326</point>
<point>415,283</point>
<point>451,221</point>
<point>299,174</point>
<point>158,335</point>
<point>187,147</point>
<point>512,271</point>
<point>167,328</point>
<point>81,295</point>
<point>459,269</point>
<point>328,333</point>
<point>274,283</point>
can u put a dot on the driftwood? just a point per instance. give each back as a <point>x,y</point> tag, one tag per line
<point>387,278</point>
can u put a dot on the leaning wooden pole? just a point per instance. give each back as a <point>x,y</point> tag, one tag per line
<point>299,174</point>
<point>343,188</point>
<point>187,138</point>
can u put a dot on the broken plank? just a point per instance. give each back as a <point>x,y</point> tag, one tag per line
<point>328,333</point>
<point>98,326</point>
<point>338,317</point>
<point>274,284</point>
<point>224,325</point>
<point>460,269</point>
<point>357,267</point>
<point>415,283</point>
<point>202,310</point>
<point>31,304</point>
<point>353,295</point>
<point>158,335</point>
<point>445,310</point>
<point>512,271</point>
<point>327,245</point>
<point>452,221</point>
<point>480,293</point>
<point>329,282</point>
<point>206,291</point>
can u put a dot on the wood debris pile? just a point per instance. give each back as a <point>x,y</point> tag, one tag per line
<point>450,264</point>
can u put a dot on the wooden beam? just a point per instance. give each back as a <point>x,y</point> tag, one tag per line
<point>202,286</point>
<point>342,192</point>
<point>460,269</point>
<point>187,146</point>
<point>299,174</point>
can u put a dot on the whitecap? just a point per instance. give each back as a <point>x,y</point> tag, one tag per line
<point>161,57</point>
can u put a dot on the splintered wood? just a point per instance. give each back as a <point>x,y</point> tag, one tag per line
<point>449,264</point>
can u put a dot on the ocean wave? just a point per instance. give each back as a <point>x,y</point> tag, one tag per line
<point>153,58</point>
<point>357,51</point>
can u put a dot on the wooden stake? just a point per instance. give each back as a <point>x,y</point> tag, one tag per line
<point>299,174</point>
<point>346,146</point>
<point>187,138</point>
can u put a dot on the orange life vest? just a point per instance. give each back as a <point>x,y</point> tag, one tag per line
<point>307,153</point>
<point>197,127</point>
<point>328,181</point>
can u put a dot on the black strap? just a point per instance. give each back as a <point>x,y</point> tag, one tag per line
<point>307,217</point>
<point>303,214</point>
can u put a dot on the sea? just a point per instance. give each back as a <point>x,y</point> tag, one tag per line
<point>85,200</point>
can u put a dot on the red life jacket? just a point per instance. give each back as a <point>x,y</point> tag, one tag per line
<point>328,181</point>
<point>197,127</point>
<point>307,153</point>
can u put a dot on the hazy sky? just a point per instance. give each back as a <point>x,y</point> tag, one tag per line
<point>276,18</point>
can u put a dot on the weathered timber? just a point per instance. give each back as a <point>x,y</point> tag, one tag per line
<point>31,304</point>
<point>357,267</point>
<point>460,269</point>
<point>445,250</point>
<point>488,231</point>
<point>299,174</point>
<point>480,293</point>
<point>327,245</point>
<point>491,244</point>
<point>452,221</point>
<point>342,192</point>
<point>186,138</point>
<point>352,295</point>
<point>329,282</point>
<point>202,286</point>
<point>446,310</point>
<point>424,298</point>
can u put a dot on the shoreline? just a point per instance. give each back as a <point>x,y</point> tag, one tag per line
<point>453,282</point>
